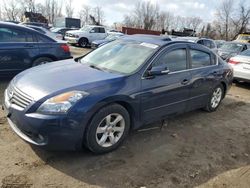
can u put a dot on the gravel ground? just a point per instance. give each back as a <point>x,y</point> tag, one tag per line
<point>188,151</point>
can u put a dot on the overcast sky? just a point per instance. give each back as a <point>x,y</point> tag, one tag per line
<point>115,9</point>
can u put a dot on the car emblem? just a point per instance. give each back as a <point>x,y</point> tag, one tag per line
<point>11,94</point>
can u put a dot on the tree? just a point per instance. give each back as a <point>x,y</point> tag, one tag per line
<point>84,14</point>
<point>224,13</point>
<point>69,9</point>
<point>98,14</point>
<point>242,19</point>
<point>11,10</point>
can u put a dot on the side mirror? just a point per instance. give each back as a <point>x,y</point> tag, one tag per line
<point>158,70</point>
<point>92,31</point>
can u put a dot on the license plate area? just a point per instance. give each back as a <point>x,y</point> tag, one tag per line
<point>246,66</point>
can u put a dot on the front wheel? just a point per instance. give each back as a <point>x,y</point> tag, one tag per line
<point>215,98</point>
<point>107,129</point>
<point>83,42</point>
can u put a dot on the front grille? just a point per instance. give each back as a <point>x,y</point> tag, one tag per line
<point>18,98</point>
<point>69,35</point>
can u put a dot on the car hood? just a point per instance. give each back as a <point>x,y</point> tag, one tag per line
<point>60,76</point>
<point>101,41</point>
<point>75,31</point>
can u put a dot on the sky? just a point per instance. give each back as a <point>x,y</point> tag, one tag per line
<point>116,9</point>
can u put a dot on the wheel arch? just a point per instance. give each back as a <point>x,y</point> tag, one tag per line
<point>54,58</point>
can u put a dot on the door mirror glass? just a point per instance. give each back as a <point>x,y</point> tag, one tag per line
<point>158,70</point>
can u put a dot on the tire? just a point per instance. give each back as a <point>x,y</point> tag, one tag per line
<point>83,42</point>
<point>110,136</point>
<point>41,61</point>
<point>215,98</point>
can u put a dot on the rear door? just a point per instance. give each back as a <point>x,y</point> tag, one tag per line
<point>17,48</point>
<point>205,73</point>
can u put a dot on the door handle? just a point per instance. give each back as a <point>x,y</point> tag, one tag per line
<point>185,82</point>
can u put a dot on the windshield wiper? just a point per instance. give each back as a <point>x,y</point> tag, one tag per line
<point>95,67</point>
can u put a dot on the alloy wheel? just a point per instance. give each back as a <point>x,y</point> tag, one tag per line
<point>216,97</point>
<point>110,130</point>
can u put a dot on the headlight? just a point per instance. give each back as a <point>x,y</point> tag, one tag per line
<point>61,103</point>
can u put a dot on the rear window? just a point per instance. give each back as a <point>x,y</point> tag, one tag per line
<point>200,58</point>
<point>44,39</point>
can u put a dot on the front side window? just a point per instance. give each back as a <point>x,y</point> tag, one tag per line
<point>200,59</point>
<point>175,60</point>
<point>120,56</point>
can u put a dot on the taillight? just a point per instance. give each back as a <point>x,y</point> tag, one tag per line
<point>65,47</point>
<point>233,62</point>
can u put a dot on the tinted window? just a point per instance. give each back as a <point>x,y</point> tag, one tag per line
<point>39,30</point>
<point>101,30</point>
<point>200,42</point>
<point>200,59</point>
<point>213,45</point>
<point>96,30</point>
<point>41,38</point>
<point>175,60</point>
<point>207,43</point>
<point>29,37</point>
<point>12,35</point>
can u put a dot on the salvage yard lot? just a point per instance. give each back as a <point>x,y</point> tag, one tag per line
<point>187,151</point>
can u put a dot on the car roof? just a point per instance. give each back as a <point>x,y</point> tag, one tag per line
<point>153,40</point>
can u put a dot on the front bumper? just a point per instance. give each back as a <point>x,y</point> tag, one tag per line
<point>71,40</point>
<point>50,132</point>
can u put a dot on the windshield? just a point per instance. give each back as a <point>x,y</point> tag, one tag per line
<point>233,47</point>
<point>243,37</point>
<point>112,37</point>
<point>245,53</point>
<point>86,28</point>
<point>120,56</point>
<point>55,29</point>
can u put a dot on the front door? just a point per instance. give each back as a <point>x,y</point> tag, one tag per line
<point>165,95</point>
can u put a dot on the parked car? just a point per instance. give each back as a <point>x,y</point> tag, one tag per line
<point>116,88</point>
<point>86,35</point>
<point>61,30</point>
<point>111,37</point>
<point>22,48</point>
<point>241,66</point>
<point>219,43</point>
<point>38,24</point>
<point>209,43</point>
<point>245,38</point>
<point>47,32</point>
<point>231,49</point>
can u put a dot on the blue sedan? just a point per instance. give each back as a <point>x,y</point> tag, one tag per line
<point>97,99</point>
<point>22,48</point>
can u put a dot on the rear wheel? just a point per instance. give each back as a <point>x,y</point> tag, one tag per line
<point>83,42</point>
<point>215,98</point>
<point>41,61</point>
<point>107,129</point>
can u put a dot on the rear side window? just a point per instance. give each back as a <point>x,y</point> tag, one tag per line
<point>207,43</point>
<point>200,59</point>
<point>41,38</point>
<point>175,60</point>
<point>101,30</point>
<point>200,42</point>
<point>13,35</point>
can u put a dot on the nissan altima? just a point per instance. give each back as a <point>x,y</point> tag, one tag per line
<point>95,100</point>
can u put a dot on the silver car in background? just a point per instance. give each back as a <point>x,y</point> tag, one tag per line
<point>241,66</point>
